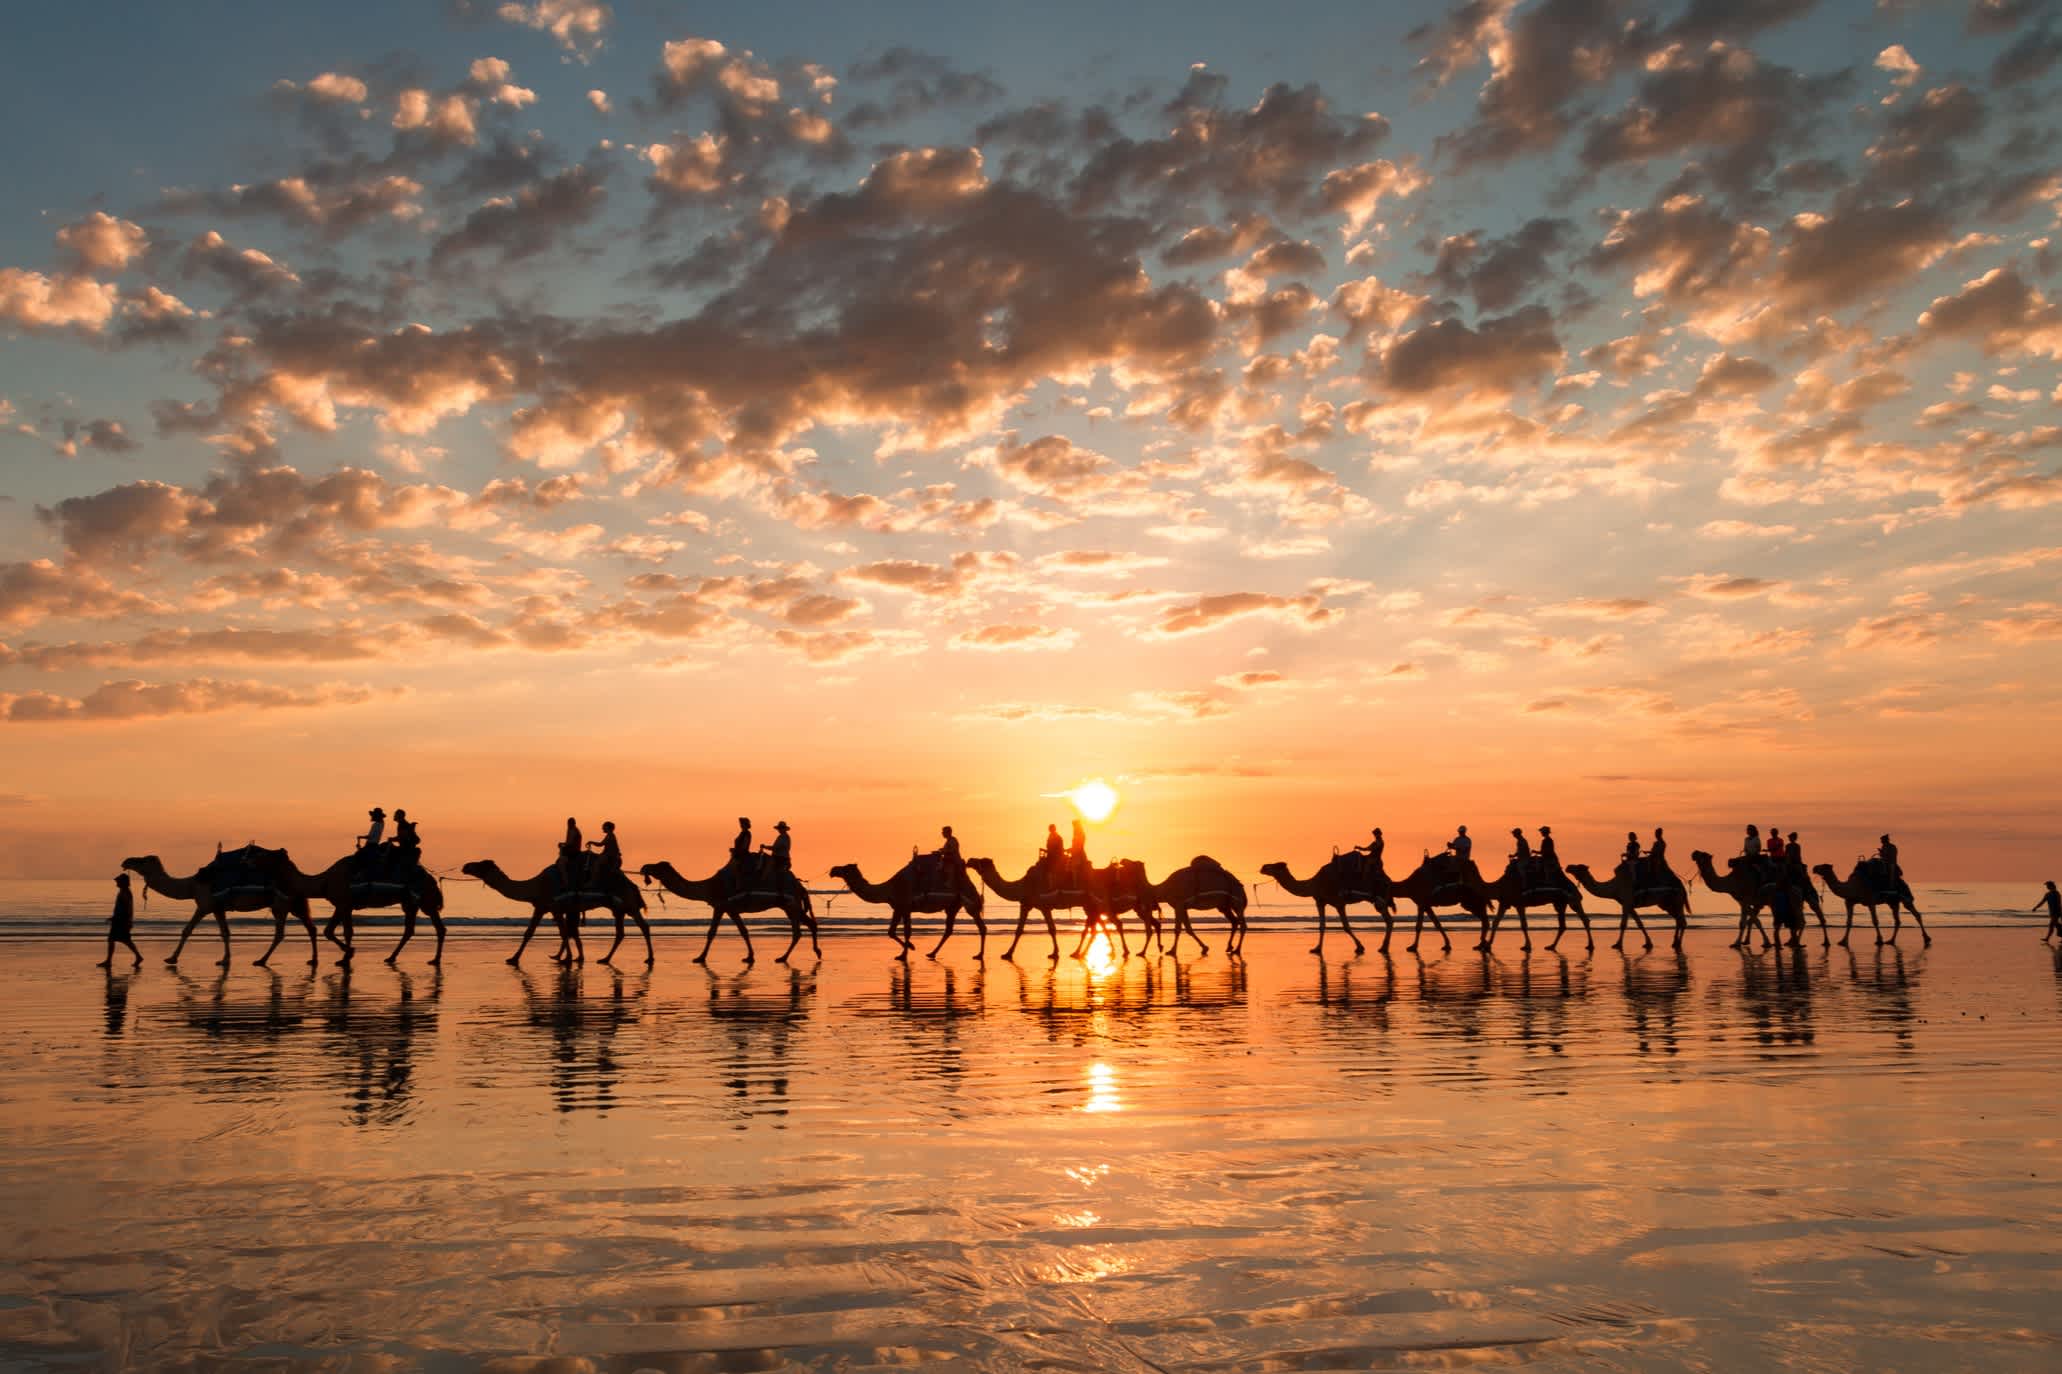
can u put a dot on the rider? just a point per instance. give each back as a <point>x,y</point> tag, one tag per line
<point>781,850</point>
<point>373,832</point>
<point>1750,848</point>
<point>1886,850</point>
<point>1055,853</point>
<point>571,854</point>
<point>406,844</point>
<point>1631,857</point>
<point>608,858</point>
<point>1549,857</point>
<point>1373,849</point>
<point>1521,848</point>
<point>1657,853</point>
<point>948,852</point>
<point>1460,846</point>
<point>1077,852</point>
<point>1775,844</point>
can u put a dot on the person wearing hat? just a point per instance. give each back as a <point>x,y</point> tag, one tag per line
<point>373,832</point>
<point>1460,846</point>
<point>782,849</point>
<point>608,858</point>
<point>123,919</point>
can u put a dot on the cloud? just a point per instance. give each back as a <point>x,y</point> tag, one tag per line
<point>578,26</point>
<point>33,301</point>
<point>2000,312</point>
<point>1450,359</point>
<point>134,700</point>
<point>39,590</point>
<point>1003,638</point>
<point>1308,611</point>
<point>530,222</point>
<point>103,243</point>
<point>246,271</point>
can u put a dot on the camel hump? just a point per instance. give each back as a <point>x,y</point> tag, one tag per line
<point>1204,861</point>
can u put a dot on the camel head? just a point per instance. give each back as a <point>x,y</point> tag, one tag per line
<point>144,863</point>
<point>1700,856</point>
<point>483,869</point>
<point>1826,871</point>
<point>1583,869</point>
<point>650,872</point>
<point>1279,872</point>
<point>849,873</point>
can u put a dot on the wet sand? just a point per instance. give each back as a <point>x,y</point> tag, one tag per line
<point>1819,1160</point>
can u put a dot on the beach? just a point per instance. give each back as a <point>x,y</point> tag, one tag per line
<point>1834,1159</point>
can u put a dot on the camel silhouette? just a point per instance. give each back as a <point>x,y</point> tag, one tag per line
<point>547,893</point>
<point>251,889</point>
<point>906,893</point>
<point>790,898</point>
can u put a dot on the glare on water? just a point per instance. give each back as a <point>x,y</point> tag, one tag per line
<point>1836,1158</point>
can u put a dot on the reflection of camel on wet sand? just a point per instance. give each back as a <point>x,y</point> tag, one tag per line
<point>1631,895</point>
<point>1864,887</point>
<point>1203,885</point>
<point>547,893</point>
<point>1337,885</point>
<point>906,893</point>
<point>722,898</point>
<point>255,892</point>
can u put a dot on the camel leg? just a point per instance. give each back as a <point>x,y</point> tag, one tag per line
<point>1561,928</point>
<point>1052,933</point>
<point>407,931</point>
<point>437,924</point>
<point>951,919</point>
<point>716,920</point>
<point>617,944</point>
<point>1920,921</point>
<point>1682,928</point>
<point>184,936</point>
<point>314,947</point>
<point>1848,929</point>
<point>1525,930</point>
<point>814,943</point>
<point>1123,945</point>
<point>222,922</point>
<point>1642,929</point>
<point>1486,937</point>
<point>1388,929</point>
<point>794,938</point>
<point>278,935</point>
<point>535,916</point>
<point>1417,933</point>
<point>1589,938</point>
<point>981,934</point>
<point>1347,926</point>
<point>1446,945</point>
<point>1319,947</point>
<point>1181,923</point>
<point>736,918</point>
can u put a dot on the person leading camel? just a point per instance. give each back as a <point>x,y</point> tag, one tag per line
<point>123,919</point>
<point>2051,899</point>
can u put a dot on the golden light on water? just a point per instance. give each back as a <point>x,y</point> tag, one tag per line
<point>1102,1089</point>
<point>1094,799</point>
<point>1100,956</point>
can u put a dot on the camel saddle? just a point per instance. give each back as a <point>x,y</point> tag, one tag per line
<point>237,870</point>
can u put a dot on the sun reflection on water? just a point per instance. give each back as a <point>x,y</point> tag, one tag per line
<point>1102,1089</point>
<point>1100,957</point>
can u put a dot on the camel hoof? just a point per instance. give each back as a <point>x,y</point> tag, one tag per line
<point>749,961</point>
<point>1843,942</point>
<point>606,960</point>
<point>437,962</point>
<point>1008,958</point>
<point>1618,944</point>
<point>172,961</point>
<point>221,963</point>
<point>389,960</point>
<point>1317,949</point>
<point>1411,948</point>
<point>258,963</point>
<point>701,959</point>
<point>1359,948</point>
<point>780,958</point>
<point>1446,948</point>
<point>980,957</point>
<point>513,963</point>
<point>1527,947</point>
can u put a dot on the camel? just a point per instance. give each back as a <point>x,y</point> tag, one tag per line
<point>1097,897</point>
<point>906,893</point>
<point>1517,887</point>
<point>1203,885</point>
<point>1117,888</point>
<point>1438,882</point>
<point>1630,896</point>
<point>251,892</point>
<point>792,901</point>
<point>1338,884</point>
<point>1748,889</point>
<point>349,888</point>
<point>1863,887</point>
<point>546,892</point>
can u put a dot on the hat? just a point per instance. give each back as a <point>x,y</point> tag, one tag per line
<point>123,879</point>
<point>745,821</point>
<point>780,825</point>
<point>1546,830</point>
<point>375,812</point>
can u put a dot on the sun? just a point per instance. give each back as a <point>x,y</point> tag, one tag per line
<point>1094,799</point>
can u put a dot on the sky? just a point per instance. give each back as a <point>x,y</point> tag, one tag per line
<point>1593,413</point>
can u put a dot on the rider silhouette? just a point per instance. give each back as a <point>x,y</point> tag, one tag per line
<point>781,851</point>
<point>1460,846</point>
